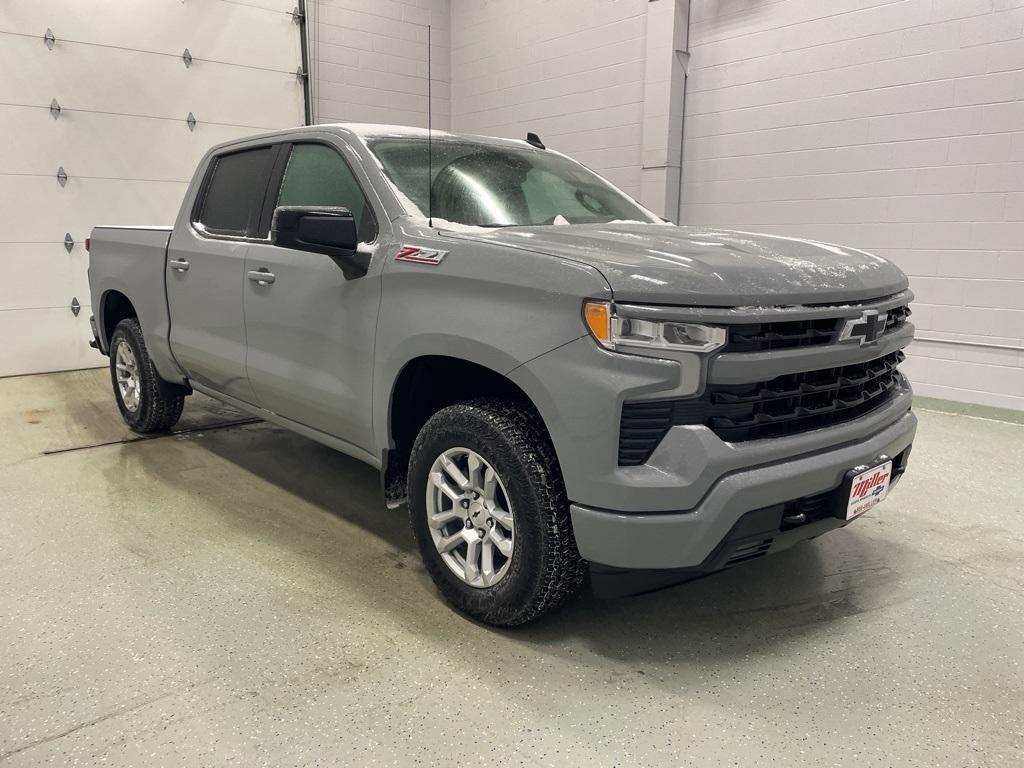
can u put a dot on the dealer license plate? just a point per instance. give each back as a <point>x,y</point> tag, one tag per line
<point>867,489</point>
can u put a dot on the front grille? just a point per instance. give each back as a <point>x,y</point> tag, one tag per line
<point>785,405</point>
<point>896,318</point>
<point>790,334</point>
<point>762,337</point>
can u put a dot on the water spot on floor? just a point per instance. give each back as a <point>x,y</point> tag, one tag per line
<point>35,415</point>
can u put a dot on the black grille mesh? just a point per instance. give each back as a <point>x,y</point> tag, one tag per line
<point>759,337</point>
<point>897,318</point>
<point>790,334</point>
<point>785,405</point>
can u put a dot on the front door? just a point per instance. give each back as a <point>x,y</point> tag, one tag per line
<point>206,272</point>
<point>310,331</point>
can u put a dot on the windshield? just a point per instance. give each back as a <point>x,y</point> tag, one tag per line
<point>494,186</point>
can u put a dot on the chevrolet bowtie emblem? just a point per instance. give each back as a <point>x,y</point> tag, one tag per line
<point>866,328</point>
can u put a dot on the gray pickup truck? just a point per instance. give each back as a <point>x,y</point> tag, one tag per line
<point>555,380</point>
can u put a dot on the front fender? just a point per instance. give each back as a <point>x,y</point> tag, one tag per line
<point>483,303</point>
<point>471,350</point>
<point>578,389</point>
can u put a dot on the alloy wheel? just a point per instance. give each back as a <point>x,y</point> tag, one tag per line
<point>470,517</point>
<point>127,376</point>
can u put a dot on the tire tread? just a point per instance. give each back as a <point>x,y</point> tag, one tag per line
<point>562,570</point>
<point>161,402</point>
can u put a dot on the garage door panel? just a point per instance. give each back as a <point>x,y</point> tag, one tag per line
<point>122,137</point>
<point>84,78</point>
<point>207,29</point>
<point>44,211</point>
<point>106,145</point>
<point>42,275</point>
<point>40,340</point>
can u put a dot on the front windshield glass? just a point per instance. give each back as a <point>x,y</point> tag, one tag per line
<point>496,186</point>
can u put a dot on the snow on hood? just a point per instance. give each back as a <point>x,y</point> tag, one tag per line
<point>662,264</point>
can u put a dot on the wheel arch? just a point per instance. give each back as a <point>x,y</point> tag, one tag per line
<point>114,307</point>
<point>425,384</point>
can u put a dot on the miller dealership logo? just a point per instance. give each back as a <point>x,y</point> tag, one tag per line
<point>866,328</point>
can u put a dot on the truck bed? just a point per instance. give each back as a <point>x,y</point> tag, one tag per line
<point>132,261</point>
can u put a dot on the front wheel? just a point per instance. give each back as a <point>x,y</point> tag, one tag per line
<point>490,514</point>
<point>147,402</point>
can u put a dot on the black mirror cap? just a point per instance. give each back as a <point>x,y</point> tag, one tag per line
<point>321,229</point>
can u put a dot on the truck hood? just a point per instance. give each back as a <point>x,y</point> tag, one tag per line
<point>666,264</point>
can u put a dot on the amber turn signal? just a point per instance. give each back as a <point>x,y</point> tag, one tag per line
<point>598,317</point>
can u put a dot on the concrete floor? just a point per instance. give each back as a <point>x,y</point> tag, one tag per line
<point>240,595</point>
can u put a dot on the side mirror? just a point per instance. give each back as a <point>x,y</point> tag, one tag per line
<point>327,230</point>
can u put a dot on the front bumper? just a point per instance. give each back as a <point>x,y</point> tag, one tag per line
<point>580,388</point>
<point>696,538</point>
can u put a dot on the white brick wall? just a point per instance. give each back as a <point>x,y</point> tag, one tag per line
<point>369,61</point>
<point>896,126</point>
<point>571,71</point>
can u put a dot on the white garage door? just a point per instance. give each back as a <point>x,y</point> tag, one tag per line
<point>121,136</point>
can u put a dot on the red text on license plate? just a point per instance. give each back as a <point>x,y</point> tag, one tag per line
<point>868,488</point>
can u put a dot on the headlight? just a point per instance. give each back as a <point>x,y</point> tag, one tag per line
<point>613,332</point>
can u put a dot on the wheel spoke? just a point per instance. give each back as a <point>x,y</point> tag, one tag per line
<point>437,478</point>
<point>472,559</point>
<point>441,519</point>
<point>454,473</point>
<point>503,517</point>
<point>487,562</point>
<point>490,485</point>
<point>503,544</point>
<point>448,543</point>
<point>475,466</point>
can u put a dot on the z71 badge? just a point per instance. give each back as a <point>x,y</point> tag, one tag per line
<point>420,255</point>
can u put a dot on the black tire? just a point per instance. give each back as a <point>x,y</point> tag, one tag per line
<point>546,567</point>
<point>160,403</point>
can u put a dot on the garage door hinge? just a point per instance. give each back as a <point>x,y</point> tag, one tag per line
<point>62,176</point>
<point>75,306</point>
<point>297,15</point>
<point>69,241</point>
<point>187,58</point>
<point>191,120</point>
<point>49,39</point>
<point>55,109</point>
<point>300,73</point>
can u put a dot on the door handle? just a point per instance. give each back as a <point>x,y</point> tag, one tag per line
<point>178,265</point>
<point>261,276</point>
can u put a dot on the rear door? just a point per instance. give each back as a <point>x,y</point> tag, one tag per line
<point>310,331</point>
<point>206,271</point>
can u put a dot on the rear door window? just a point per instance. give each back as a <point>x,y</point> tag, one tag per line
<point>317,175</point>
<point>234,192</point>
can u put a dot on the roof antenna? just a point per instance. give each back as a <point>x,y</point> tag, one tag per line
<point>430,143</point>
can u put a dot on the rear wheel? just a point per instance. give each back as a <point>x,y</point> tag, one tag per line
<point>489,512</point>
<point>147,402</point>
